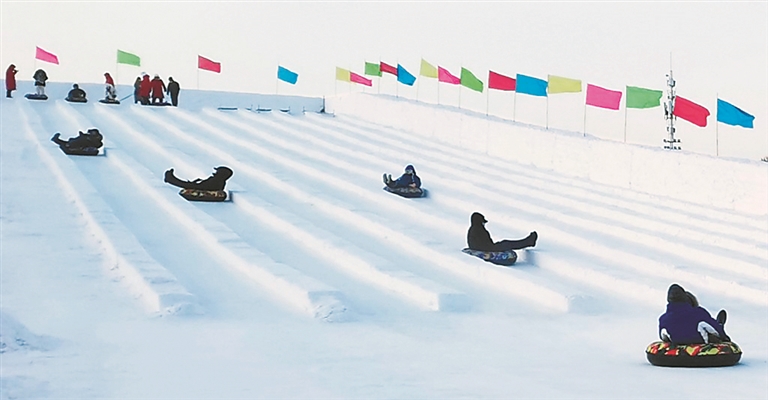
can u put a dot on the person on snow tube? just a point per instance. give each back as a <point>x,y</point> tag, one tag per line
<point>685,322</point>
<point>217,181</point>
<point>478,238</point>
<point>408,179</point>
<point>91,138</point>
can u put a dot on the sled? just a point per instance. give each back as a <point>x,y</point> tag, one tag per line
<point>84,151</point>
<point>158,104</point>
<point>204,195</point>
<point>76,100</point>
<point>33,96</point>
<point>227,108</point>
<point>107,101</point>
<point>505,258</point>
<point>408,192</point>
<point>665,354</point>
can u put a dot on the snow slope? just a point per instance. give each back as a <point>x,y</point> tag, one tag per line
<point>314,283</point>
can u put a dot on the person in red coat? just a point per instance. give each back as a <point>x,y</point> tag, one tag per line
<point>109,87</point>
<point>144,90</point>
<point>158,88</point>
<point>10,80</point>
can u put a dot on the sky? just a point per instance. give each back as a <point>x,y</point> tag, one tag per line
<point>714,48</point>
<point>313,282</point>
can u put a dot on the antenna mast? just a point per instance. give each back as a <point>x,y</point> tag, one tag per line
<point>669,107</point>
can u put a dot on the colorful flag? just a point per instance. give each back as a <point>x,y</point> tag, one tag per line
<point>128,58</point>
<point>690,111</point>
<point>353,77</point>
<point>558,84</point>
<point>372,69</point>
<point>286,75</point>
<point>427,69</point>
<point>643,98</point>
<point>603,98</point>
<point>729,114</point>
<point>500,82</point>
<point>444,76</point>
<point>208,65</point>
<point>342,74</point>
<point>530,85</point>
<point>388,68</point>
<point>468,79</point>
<point>404,76</point>
<point>43,55</point>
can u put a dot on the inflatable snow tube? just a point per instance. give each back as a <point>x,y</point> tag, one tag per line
<point>505,258</point>
<point>665,354</point>
<point>85,151</point>
<point>408,192</point>
<point>203,195</point>
<point>76,100</point>
<point>107,101</point>
<point>34,96</point>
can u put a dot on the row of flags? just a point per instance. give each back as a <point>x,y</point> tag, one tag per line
<point>596,96</point>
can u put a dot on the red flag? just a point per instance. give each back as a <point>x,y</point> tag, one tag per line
<point>500,82</point>
<point>359,79</point>
<point>208,65</point>
<point>444,76</point>
<point>690,111</point>
<point>388,68</point>
<point>43,55</point>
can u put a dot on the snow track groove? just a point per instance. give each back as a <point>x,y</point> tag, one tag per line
<point>146,279</point>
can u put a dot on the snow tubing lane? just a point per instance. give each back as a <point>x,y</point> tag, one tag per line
<point>408,192</point>
<point>665,354</point>
<point>505,258</point>
<point>203,195</point>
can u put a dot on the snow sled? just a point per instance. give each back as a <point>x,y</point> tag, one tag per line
<point>107,101</point>
<point>76,100</point>
<point>80,151</point>
<point>203,195</point>
<point>34,96</point>
<point>505,258</point>
<point>408,192</point>
<point>665,354</point>
<point>159,104</point>
<point>227,108</point>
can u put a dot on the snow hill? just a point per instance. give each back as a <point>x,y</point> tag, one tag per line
<point>315,283</point>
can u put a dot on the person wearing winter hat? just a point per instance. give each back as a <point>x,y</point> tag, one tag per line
<point>217,181</point>
<point>478,238</point>
<point>408,179</point>
<point>685,322</point>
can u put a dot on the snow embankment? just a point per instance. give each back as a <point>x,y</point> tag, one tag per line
<point>738,185</point>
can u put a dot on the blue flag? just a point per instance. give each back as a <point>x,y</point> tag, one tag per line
<point>530,85</point>
<point>404,76</point>
<point>729,114</point>
<point>286,75</point>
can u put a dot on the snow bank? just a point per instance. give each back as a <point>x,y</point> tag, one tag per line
<point>738,185</point>
<point>14,336</point>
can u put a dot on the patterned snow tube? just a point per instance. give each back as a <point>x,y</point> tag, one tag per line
<point>85,151</point>
<point>203,195</point>
<point>506,258</point>
<point>408,192</point>
<point>665,354</point>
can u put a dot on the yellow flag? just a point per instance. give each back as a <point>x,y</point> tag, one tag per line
<point>427,69</point>
<point>558,84</point>
<point>342,74</point>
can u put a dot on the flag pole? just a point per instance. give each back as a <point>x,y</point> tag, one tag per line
<point>717,133</point>
<point>487,99</point>
<point>546,124</point>
<point>625,120</point>
<point>514,107</point>
<point>585,119</point>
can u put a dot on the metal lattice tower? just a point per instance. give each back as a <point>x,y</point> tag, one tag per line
<point>669,107</point>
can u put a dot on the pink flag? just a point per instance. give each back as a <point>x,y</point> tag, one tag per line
<point>208,65</point>
<point>359,79</point>
<point>43,55</point>
<point>603,98</point>
<point>444,76</point>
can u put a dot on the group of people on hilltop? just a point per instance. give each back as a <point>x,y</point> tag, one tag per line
<point>146,91</point>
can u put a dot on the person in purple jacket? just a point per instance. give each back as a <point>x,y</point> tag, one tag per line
<point>687,323</point>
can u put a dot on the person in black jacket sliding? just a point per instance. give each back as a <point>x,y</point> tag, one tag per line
<point>217,181</point>
<point>478,238</point>
<point>91,138</point>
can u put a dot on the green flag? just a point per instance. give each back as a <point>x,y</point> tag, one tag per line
<point>372,69</point>
<point>469,80</point>
<point>128,58</point>
<point>643,98</point>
